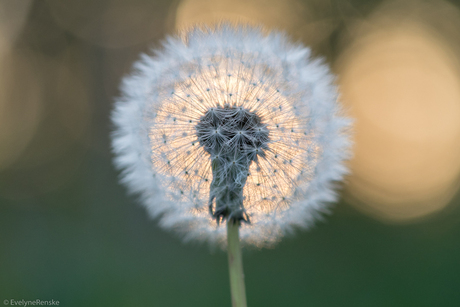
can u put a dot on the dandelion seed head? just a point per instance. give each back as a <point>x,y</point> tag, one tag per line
<point>234,124</point>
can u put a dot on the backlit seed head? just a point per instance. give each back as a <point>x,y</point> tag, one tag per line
<point>231,124</point>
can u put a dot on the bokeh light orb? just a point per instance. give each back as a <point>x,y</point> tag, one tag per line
<point>275,14</point>
<point>401,83</point>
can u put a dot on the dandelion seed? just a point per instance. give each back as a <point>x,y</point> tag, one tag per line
<point>232,105</point>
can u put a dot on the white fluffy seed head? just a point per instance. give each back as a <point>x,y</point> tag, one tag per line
<point>234,117</point>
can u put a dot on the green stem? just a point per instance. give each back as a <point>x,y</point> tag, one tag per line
<point>235,265</point>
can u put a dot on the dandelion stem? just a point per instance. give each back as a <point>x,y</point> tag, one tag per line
<point>235,264</point>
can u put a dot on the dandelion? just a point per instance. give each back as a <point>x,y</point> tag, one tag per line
<point>231,126</point>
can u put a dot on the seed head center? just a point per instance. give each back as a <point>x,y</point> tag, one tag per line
<point>218,127</point>
<point>234,137</point>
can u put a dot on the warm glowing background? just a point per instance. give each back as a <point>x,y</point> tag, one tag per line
<point>69,232</point>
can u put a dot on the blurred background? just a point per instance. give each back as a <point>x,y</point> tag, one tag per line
<point>69,232</point>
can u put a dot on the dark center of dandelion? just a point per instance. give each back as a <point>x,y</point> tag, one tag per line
<point>234,137</point>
